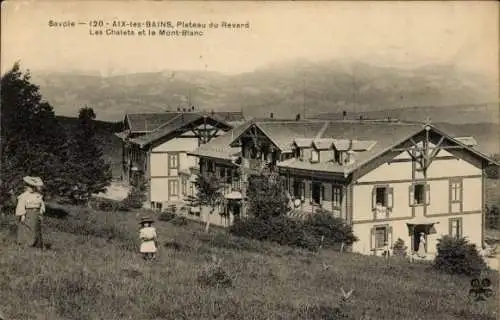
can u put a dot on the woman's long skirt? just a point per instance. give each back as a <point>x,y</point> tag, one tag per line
<point>29,231</point>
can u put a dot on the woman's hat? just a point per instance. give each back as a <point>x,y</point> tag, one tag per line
<point>33,181</point>
<point>146,220</point>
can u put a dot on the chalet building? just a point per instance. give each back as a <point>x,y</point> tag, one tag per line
<point>155,147</point>
<point>387,179</point>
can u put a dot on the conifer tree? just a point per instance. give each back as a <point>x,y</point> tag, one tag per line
<point>32,140</point>
<point>87,172</point>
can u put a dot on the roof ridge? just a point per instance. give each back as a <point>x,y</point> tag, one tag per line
<point>166,123</point>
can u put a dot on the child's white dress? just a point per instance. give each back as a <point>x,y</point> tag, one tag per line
<point>148,237</point>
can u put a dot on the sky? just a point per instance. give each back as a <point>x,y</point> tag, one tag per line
<point>385,33</point>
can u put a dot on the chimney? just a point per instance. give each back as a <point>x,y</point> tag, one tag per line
<point>344,114</point>
<point>271,115</point>
<point>297,117</point>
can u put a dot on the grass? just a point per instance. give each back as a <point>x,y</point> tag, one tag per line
<point>93,271</point>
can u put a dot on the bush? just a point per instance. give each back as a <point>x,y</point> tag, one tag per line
<point>166,216</point>
<point>334,229</point>
<point>215,276</point>
<point>399,248</point>
<point>135,198</point>
<point>281,229</point>
<point>492,217</point>
<point>458,256</point>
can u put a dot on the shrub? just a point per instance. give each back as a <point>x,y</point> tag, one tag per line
<point>458,256</point>
<point>166,216</point>
<point>281,229</point>
<point>399,248</point>
<point>334,229</point>
<point>135,198</point>
<point>493,217</point>
<point>215,276</point>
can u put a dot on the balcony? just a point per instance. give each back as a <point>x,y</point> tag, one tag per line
<point>257,164</point>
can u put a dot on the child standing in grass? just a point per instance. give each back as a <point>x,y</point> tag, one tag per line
<point>148,237</point>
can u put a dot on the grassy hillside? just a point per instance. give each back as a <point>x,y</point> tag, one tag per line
<point>284,89</point>
<point>93,271</point>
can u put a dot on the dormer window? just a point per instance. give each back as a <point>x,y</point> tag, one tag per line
<point>297,153</point>
<point>314,155</point>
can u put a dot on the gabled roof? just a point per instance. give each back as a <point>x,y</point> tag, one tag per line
<point>147,122</point>
<point>323,143</point>
<point>178,123</point>
<point>303,143</point>
<point>283,133</point>
<point>369,140</point>
<point>386,134</point>
<point>219,147</point>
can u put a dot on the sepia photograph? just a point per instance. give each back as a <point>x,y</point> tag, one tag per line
<point>260,160</point>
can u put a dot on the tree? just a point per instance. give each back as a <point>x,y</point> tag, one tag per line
<point>208,194</point>
<point>267,196</point>
<point>32,140</point>
<point>87,172</point>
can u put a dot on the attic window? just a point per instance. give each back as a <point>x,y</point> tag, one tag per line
<point>314,155</point>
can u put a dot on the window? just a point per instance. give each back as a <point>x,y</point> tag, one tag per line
<point>316,192</point>
<point>173,161</point>
<point>222,172</point>
<point>336,156</point>
<point>456,227</point>
<point>456,190</point>
<point>298,189</point>
<point>382,196</point>
<point>173,187</point>
<point>380,236</point>
<point>314,155</point>
<point>336,197</point>
<point>419,194</point>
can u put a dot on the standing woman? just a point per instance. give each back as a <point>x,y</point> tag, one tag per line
<point>421,246</point>
<point>30,208</point>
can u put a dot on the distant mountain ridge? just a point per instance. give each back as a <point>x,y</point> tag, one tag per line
<point>284,89</point>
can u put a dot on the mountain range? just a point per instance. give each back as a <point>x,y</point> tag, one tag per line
<point>442,92</point>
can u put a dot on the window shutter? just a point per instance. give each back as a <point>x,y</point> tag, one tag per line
<point>411,195</point>
<point>389,236</point>
<point>427,194</point>
<point>390,198</point>
<point>372,238</point>
<point>308,190</point>
<point>450,227</point>
<point>460,227</point>
<point>291,187</point>
<point>374,198</point>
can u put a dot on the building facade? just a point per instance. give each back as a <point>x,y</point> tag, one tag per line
<point>155,149</point>
<point>389,180</point>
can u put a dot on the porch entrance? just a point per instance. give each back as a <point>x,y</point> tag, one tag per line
<point>417,231</point>
<point>416,228</point>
